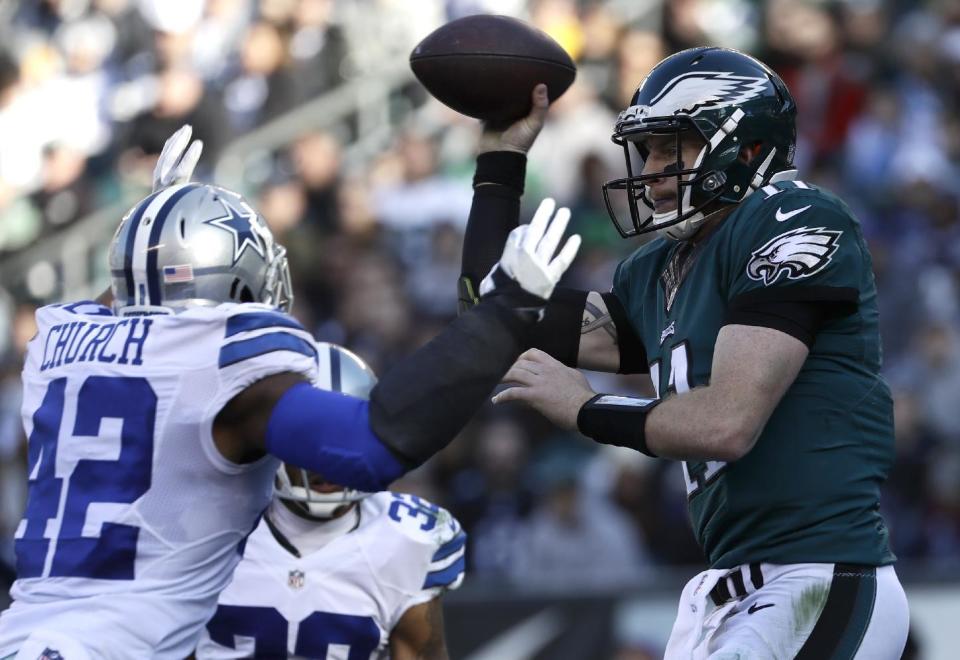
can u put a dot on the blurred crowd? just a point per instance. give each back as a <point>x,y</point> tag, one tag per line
<point>90,89</point>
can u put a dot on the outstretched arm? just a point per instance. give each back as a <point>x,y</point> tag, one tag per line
<point>421,404</point>
<point>419,633</point>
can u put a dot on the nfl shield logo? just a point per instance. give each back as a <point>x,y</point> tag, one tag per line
<point>295,579</point>
<point>49,654</point>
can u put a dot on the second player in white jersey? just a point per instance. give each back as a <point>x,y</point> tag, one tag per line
<point>390,553</point>
<point>336,572</point>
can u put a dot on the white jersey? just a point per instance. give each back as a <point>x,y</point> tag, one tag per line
<point>343,599</point>
<point>134,520</point>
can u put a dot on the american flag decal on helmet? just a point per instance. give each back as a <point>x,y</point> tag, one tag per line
<point>174,274</point>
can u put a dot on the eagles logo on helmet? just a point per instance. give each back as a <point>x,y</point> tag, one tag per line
<point>730,101</point>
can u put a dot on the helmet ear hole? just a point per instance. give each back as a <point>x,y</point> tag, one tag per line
<point>245,295</point>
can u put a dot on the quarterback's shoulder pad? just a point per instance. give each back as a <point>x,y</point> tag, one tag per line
<point>794,234</point>
<point>790,204</point>
<point>435,531</point>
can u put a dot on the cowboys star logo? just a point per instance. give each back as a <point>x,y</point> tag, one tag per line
<point>798,253</point>
<point>692,92</point>
<point>296,579</point>
<point>243,226</point>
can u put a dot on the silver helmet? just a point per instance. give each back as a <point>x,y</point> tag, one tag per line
<point>340,371</point>
<point>195,245</point>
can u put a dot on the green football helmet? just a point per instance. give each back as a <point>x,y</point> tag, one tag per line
<point>728,99</point>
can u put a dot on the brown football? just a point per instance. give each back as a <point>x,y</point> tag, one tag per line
<point>485,66</point>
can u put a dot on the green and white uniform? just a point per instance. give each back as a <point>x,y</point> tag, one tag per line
<point>809,489</point>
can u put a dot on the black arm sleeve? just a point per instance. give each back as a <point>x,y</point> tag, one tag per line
<point>495,212</point>
<point>423,402</point>
<point>797,311</point>
<point>633,356</point>
<point>559,332</point>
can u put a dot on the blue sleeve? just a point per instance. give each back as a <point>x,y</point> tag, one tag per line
<point>329,433</point>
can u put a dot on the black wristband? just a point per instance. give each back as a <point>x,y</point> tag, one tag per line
<point>506,168</point>
<point>617,420</point>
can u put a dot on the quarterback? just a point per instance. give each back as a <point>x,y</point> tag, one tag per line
<point>754,312</point>
<point>331,569</point>
<point>156,423</point>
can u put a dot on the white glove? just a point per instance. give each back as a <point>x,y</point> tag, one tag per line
<point>528,253</point>
<point>177,160</point>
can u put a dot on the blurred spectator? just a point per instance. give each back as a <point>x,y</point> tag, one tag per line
<point>906,493</point>
<point>86,44</point>
<point>826,84</point>
<point>578,125</point>
<point>559,19</point>
<point>412,196</point>
<point>27,116</point>
<point>130,28</point>
<point>65,195</point>
<point>317,48</point>
<point>12,445</point>
<point>317,161</point>
<point>431,285</point>
<point>182,98</point>
<point>492,497</point>
<point>573,539</point>
<point>932,372</point>
<point>219,31</point>
<point>730,23</point>
<point>638,52</point>
<point>263,87</point>
<point>375,315</point>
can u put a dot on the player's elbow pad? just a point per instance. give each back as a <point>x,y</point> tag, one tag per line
<point>329,433</point>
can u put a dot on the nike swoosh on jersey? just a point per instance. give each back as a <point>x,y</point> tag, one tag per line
<point>754,608</point>
<point>783,217</point>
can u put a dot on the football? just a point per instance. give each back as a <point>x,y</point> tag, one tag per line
<point>485,66</point>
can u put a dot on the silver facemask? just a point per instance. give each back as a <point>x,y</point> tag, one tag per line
<point>195,245</point>
<point>340,371</point>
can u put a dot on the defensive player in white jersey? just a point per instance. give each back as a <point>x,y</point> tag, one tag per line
<point>333,567</point>
<point>156,425</point>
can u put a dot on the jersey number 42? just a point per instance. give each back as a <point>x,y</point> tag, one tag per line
<point>64,532</point>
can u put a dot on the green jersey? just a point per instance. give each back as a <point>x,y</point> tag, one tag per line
<point>809,489</point>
